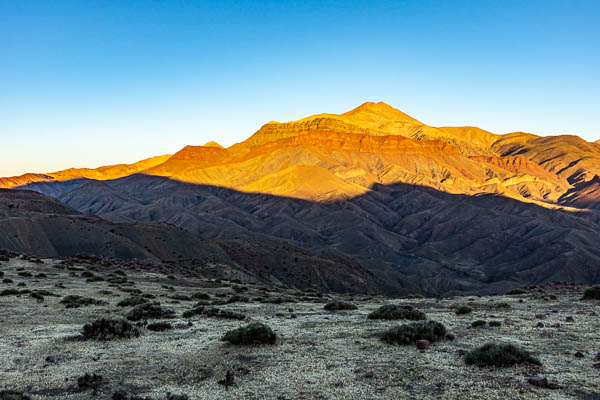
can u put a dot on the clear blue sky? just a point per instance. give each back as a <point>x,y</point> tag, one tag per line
<point>87,83</point>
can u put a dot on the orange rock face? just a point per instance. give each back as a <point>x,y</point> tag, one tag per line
<point>329,156</point>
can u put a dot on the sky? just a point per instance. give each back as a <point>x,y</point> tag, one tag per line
<point>84,84</point>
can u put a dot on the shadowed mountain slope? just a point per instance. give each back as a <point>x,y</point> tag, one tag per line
<point>35,224</point>
<point>414,238</point>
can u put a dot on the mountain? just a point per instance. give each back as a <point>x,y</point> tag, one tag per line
<point>102,173</point>
<point>430,209</point>
<point>35,224</point>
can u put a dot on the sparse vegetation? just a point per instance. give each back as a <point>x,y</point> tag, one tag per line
<point>392,312</point>
<point>499,355</point>
<point>338,305</point>
<point>194,311</point>
<point>463,309</point>
<point>494,324</point>
<point>105,329</point>
<point>132,301</point>
<point>592,293</point>
<point>409,333</point>
<point>90,382</point>
<point>515,292</point>
<point>149,311</point>
<point>224,314</point>
<point>253,334</point>
<point>13,395</point>
<point>201,296</point>
<point>159,326</point>
<point>74,301</point>
<point>478,323</point>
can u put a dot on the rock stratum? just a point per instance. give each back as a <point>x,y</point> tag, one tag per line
<point>429,209</point>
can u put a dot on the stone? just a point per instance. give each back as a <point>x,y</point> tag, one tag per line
<point>422,344</point>
<point>538,381</point>
<point>570,319</point>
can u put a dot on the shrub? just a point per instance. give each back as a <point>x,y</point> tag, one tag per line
<point>200,296</point>
<point>9,292</point>
<point>37,296</point>
<point>109,329</point>
<point>478,323</point>
<point>516,291</point>
<point>194,311</point>
<point>7,280</point>
<point>132,301</point>
<point>592,293</point>
<point>13,395</point>
<point>237,299</point>
<point>494,323</point>
<point>499,355</point>
<point>409,333</point>
<point>89,381</point>
<point>392,311</point>
<point>224,314</point>
<point>337,305</point>
<point>74,301</point>
<point>25,274</point>
<point>253,334</point>
<point>159,326</point>
<point>181,297</point>
<point>148,311</point>
<point>463,309</point>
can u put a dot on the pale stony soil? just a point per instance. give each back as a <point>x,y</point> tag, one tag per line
<point>319,354</point>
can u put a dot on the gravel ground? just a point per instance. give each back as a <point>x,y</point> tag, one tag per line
<point>318,355</point>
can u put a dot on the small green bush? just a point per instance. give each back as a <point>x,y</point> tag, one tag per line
<point>149,311</point>
<point>463,309</point>
<point>200,296</point>
<point>13,395</point>
<point>499,355</point>
<point>25,274</point>
<point>478,323</point>
<point>108,329</point>
<point>515,292</point>
<point>494,323</point>
<point>223,314</point>
<point>74,301</point>
<point>592,293</point>
<point>194,311</point>
<point>132,301</point>
<point>409,333</point>
<point>337,305</point>
<point>253,334</point>
<point>392,311</point>
<point>159,326</point>
<point>9,292</point>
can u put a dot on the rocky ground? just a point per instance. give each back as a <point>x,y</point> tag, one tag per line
<point>319,354</point>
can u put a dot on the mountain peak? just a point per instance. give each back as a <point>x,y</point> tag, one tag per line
<point>213,144</point>
<point>380,110</point>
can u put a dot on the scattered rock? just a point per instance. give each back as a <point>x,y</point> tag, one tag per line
<point>422,344</point>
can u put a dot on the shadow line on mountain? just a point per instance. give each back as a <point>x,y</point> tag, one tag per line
<point>409,235</point>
